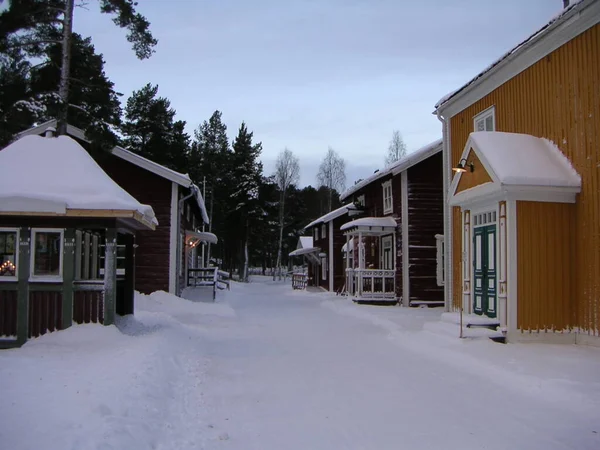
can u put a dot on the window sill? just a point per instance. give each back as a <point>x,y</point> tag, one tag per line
<point>45,280</point>
<point>389,211</point>
<point>8,279</point>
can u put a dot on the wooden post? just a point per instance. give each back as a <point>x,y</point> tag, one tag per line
<point>23,285</point>
<point>68,277</point>
<point>127,305</point>
<point>110,276</point>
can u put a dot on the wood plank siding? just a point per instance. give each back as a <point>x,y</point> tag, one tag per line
<point>470,179</point>
<point>557,98</point>
<point>545,277</point>
<point>88,306</point>
<point>8,313</point>
<point>45,312</point>
<point>152,253</point>
<point>339,240</point>
<point>425,220</point>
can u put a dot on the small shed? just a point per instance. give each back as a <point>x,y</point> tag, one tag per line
<point>67,238</point>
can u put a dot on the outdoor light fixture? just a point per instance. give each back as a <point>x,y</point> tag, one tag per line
<point>461,166</point>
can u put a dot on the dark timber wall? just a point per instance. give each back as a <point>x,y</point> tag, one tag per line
<point>425,220</point>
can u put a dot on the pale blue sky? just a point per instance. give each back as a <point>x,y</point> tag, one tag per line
<point>309,74</point>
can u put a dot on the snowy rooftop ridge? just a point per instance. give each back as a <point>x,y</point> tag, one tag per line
<point>555,21</point>
<point>396,167</point>
<point>330,215</point>
<point>54,174</point>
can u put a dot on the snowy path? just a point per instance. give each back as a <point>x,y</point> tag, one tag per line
<point>295,375</point>
<point>276,369</point>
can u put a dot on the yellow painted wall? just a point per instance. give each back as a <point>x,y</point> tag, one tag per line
<point>470,179</point>
<point>545,287</point>
<point>557,98</point>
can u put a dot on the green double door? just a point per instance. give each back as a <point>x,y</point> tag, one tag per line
<point>484,265</point>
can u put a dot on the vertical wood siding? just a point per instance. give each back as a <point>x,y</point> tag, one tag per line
<point>45,312</point>
<point>557,98</point>
<point>470,179</point>
<point>8,313</point>
<point>545,277</point>
<point>339,240</point>
<point>88,306</point>
<point>425,220</point>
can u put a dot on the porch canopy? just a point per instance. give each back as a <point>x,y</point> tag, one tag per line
<point>305,248</point>
<point>513,166</point>
<point>193,238</point>
<point>55,176</point>
<point>370,226</point>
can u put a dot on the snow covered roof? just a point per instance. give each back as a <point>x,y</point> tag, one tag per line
<point>304,251</point>
<point>331,215</point>
<point>195,237</point>
<point>397,167</point>
<point>305,242</point>
<point>562,17</point>
<point>138,160</point>
<point>350,244</point>
<point>56,174</point>
<point>518,160</point>
<point>370,222</point>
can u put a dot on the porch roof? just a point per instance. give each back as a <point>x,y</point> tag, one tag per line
<point>331,215</point>
<point>378,225</point>
<point>516,163</point>
<point>57,176</point>
<point>349,243</point>
<point>305,251</point>
<point>195,237</point>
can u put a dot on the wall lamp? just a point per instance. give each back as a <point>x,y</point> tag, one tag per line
<point>461,167</point>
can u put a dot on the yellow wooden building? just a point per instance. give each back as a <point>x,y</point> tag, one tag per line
<point>522,225</point>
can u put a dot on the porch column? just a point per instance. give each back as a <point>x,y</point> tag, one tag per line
<point>110,276</point>
<point>126,305</point>
<point>68,277</point>
<point>466,263</point>
<point>23,285</point>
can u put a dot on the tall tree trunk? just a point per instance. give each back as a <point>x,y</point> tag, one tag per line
<point>245,273</point>
<point>329,198</point>
<point>65,70</point>
<point>281,208</point>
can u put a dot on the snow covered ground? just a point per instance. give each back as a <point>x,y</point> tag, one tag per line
<point>270,368</point>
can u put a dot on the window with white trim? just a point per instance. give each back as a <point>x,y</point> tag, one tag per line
<point>439,272</point>
<point>388,205</point>
<point>360,200</point>
<point>485,120</point>
<point>47,254</point>
<point>323,231</point>
<point>387,254</point>
<point>323,267</point>
<point>9,253</point>
<point>316,232</point>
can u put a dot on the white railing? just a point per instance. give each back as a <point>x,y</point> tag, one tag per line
<point>371,283</point>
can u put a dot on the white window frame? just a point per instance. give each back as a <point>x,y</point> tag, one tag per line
<point>440,255</point>
<point>323,267</point>
<point>17,247</point>
<point>323,231</point>
<point>361,200</point>
<point>316,233</point>
<point>388,197</point>
<point>46,278</point>
<point>483,116</point>
<point>385,240</point>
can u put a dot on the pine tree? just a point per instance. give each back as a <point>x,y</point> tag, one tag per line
<point>247,173</point>
<point>150,129</point>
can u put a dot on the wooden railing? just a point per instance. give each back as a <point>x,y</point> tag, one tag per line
<point>299,280</point>
<point>209,276</point>
<point>371,283</point>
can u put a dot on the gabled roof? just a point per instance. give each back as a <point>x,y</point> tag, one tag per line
<point>331,215</point>
<point>55,175</point>
<point>517,163</point>
<point>305,242</point>
<point>135,159</point>
<point>563,27</point>
<point>371,222</point>
<point>397,167</point>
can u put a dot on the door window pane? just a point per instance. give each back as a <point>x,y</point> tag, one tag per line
<point>8,253</point>
<point>46,253</point>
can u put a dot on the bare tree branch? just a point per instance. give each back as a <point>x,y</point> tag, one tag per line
<point>396,149</point>
<point>332,174</point>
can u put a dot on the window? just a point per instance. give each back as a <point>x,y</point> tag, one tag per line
<point>46,262</point>
<point>439,245</point>
<point>360,200</point>
<point>388,206</point>
<point>316,233</point>
<point>387,254</point>
<point>323,231</point>
<point>9,253</point>
<point>323,267</point>
<point>485,121</point>
<point>188,213</point>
